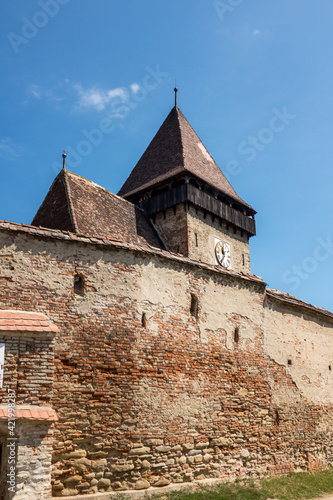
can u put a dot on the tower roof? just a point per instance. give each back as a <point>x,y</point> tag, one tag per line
<point>80,206</point>
<point>176,149</point>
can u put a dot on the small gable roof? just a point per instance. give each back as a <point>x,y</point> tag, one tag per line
<point>25,321</point>
<point>78,205</point>
<point>176,149</point>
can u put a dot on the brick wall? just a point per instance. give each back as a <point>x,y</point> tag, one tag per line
<point>27,383</point>
<point>148,393</point>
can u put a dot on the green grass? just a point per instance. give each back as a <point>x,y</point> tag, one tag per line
<point>295,486</point>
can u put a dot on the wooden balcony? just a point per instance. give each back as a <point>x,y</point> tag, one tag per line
<point>189,193</point>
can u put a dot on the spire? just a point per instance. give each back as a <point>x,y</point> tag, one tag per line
<point>64,159</point>
<point>176,90</point>
<point>176,150</point>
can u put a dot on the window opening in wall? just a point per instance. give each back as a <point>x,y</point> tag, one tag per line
<point>243,260</point>
<point>194,305</point>
<point>143,320</point>
<point>236,335</point>
<point>78,284</point>
<point>277,418</point>
<point>330,368</point>
<point>196,239</point>
<point>290,362</point>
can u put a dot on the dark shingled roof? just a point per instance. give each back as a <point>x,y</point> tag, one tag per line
<point>176,149</point>
<point>80,206</point>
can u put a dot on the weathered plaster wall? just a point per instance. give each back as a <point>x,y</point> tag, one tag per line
<point>171,224</point>
<point>173,398</point>
<point>302,342</point>
<point>207,229</point>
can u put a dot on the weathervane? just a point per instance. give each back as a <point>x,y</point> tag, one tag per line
<point>64,159</point>
<point>176,90</point>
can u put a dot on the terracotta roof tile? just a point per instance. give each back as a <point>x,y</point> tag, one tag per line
<point>78,205</point>
<point>176,149</point>
<point>25,321</point>
<point>30,413</point>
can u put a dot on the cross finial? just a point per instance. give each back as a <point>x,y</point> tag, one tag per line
<point>176,90</point>
<point>64,159</point>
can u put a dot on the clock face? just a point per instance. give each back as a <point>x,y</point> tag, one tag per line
<point>223,254</point>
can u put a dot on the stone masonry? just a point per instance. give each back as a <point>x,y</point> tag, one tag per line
<point>148,393</point>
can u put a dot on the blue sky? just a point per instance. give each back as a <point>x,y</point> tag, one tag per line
<point>255,81</point>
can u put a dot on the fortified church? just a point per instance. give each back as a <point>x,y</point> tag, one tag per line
<point>139,349</point>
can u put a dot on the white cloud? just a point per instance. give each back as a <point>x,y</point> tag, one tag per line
<point>99,99</point>
<point>90,98</point>
<point>256,32</point>
<point>8,149</point>
<point>37,92</point>
<point>135,87</point>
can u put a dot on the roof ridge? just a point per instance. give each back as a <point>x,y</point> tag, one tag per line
<point>179,113</point>
<point>69,201</point>
<point>105,189</point>
<point>188,123</point>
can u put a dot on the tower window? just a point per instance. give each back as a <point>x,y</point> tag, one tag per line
<point>78,284</point>
<point>194,306</point>
<point>290,362</point>
<point>144,320</point>
<point>196,239</point>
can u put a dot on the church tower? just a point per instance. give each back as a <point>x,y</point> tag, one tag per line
<point>193,206</point>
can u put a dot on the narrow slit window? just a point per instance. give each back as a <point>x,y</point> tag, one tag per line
<point>144,320</point>
<point>194,306</point>
<point>290,362</point>
<point>196,239</point>
<point>78,284</point>
<point>236,335</point>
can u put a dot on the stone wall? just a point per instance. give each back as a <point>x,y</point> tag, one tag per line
<point>192,232</point>
<point>34,457</point>
<point>172,226</point>
<point>208,228</point>
<point>146,391</point>
<point>25,429</point>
